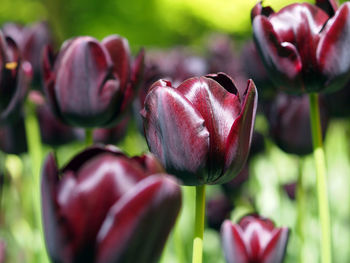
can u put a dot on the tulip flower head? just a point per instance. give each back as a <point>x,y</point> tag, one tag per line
<point>91,84</point>
<point>14,79</point>
<point>106,207</point>
<point>201,130</point>
<point>254,239</point>
<point>303,46</point>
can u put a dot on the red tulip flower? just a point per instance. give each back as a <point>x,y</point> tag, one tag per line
<point>201,130</point>
<point>254,239</point>
<point>91,84</point>
<point>106,207</point>
<point>304,47</point>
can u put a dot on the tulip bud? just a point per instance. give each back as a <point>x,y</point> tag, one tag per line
<point>91,84</point>
<point>106,207</point>
<point>201,130</point>
<point>254,239</point>
<point>289,121</point>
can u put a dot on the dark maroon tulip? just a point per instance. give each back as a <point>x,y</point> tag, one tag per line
<point>289,121</point>
<point>201,130</point>
<point>217,210</point>
<point>91,84</point>
<point>254,239</point>
<point>14,79</point>
<point>31,40</point>
<point>290,189</point>
<point>13,137</point>
<point>304,47</point>
<point>106,207</point>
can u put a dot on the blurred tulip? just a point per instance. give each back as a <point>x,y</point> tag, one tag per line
<point>91,84</point>
<point>290,190</point>
<point>2,251</point>
<point>304,47</point>
<point>338,102</point>
<point>217,210</point>
<point>254,239</point>
<point>289,122</point>
<point>13,137</point>
<point>112,135</point>
<point>106,207</point>
<point>31,41</point>
<point>201,130</point>
<point>14,79</point>
<point>232,188</point>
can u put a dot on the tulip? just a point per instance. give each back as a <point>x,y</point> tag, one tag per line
<point>201,130</point>
<point>289,122</point>
<point>31,41</point>
<point>254,239</point>
<point>2,251</point>
<point>112,135</point>
<point>218,209</point>
<point>14,79</point>
<point>106,207</point>
<point>303,46</point>
<point>91,84</point>
<point>290,190</point>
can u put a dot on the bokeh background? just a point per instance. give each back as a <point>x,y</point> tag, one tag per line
<point>166,24</point>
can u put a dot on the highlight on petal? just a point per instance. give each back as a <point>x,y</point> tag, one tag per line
<point>276,248</point>
<point>176,133</point>
<point>136,227</point>
<point>279,57</point>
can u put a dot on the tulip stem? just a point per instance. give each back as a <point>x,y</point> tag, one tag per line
<point>35,153</point>
<point>199,225</point>
<point>89,138</point>
<point>300,196</point>
<point>321,180</point>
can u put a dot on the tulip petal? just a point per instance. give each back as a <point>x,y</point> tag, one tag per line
<point>118,49</point>
<point>329,6</point>
<point>276,248</point>
<point>137,226</point>
<point>52,226</point>
<point>234,247</point>
<point>219,105</point>
<point>239,139</point>
<point>175,133</point>
<point>333,52</point>
<point>279,57</point>
<point>258,9</point>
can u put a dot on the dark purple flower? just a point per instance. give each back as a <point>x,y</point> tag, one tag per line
<point>13,137</point>
<point>106,207</point>
<point>303,46</point>
<point>31,41</point>
<point>14,78</point>
<point>201,130</point>
<point>91,84</point>
<point>289,122</point>
<point>217,210</point>
<point>254,239</point>
<point>290,189</point>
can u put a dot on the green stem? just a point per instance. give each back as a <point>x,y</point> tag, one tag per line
<point>300,229</point>
<point>35,153</point>
<point>321,180</point>
<point>199,225</point>
<point>89,138</point>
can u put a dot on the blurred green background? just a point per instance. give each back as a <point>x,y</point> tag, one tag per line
<point>168,23</point>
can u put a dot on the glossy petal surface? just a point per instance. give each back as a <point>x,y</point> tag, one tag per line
<point>176,132</point>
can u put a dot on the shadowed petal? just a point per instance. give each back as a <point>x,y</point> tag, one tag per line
<point>137,226</point>
<point>175,132</point>
<point>239,139</point>
<point>333,51</point>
